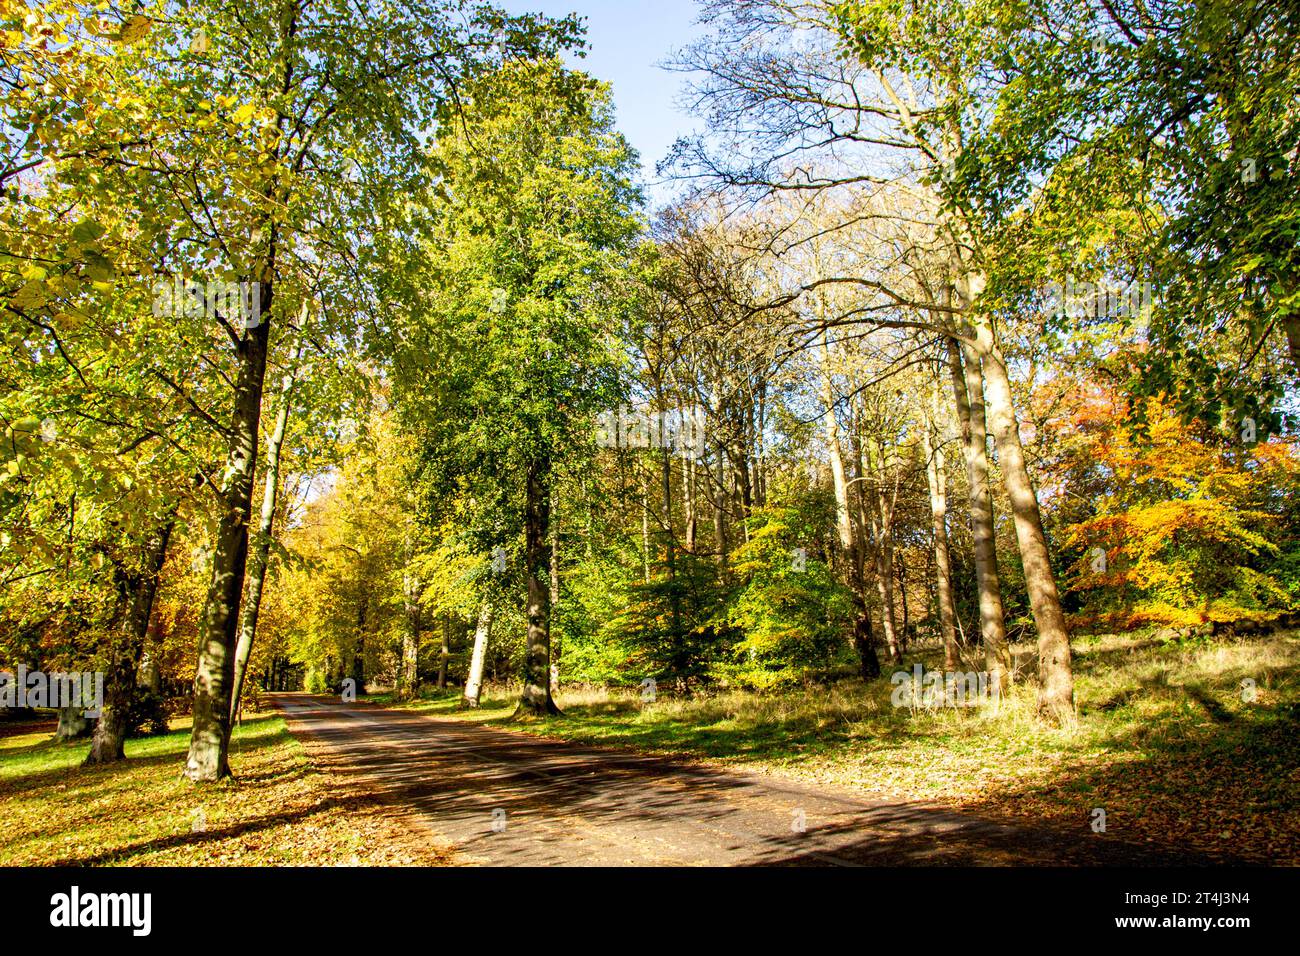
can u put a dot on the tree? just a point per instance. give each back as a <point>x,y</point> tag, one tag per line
<point>793,118</point>
<point>1180,120</point>
<point>1185,528</point>
<point>531,218</point>
<point>261,546</point>
<point>790,609</point>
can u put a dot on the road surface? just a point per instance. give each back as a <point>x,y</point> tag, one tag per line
<point>504,798</point>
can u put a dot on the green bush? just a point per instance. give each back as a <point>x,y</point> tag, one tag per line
<point>792,612</point>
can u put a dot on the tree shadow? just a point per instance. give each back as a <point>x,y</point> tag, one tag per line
<point>261,736</point>
<point>241,828</point>
<point>518,799</point>
<point>1229,788</point>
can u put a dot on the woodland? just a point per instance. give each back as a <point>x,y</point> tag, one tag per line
<point>344,353</point>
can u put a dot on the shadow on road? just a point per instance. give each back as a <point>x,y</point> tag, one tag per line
<point>507,798</point>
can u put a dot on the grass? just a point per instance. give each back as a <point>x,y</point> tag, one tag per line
<point>140,812</point>
<point>1167,741</point>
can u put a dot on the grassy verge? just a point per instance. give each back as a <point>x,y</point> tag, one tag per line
<point>140,812</point>
<point>1169,743</point>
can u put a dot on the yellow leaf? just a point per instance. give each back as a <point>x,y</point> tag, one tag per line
<point>32,295</point>
<point>136,28</point>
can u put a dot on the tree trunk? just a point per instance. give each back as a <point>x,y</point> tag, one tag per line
<point>968,392</point>
<point>410,668</point>
<point>359,654</point>
<point>882,520</point>
<point>937,479</point>
<point>645,526</point>
<point>719,504</point>
<point>150,674</point>
<point>679,657</point>
<point>688,502</point>
<point>885,589</point>
<point>1055,673</point>
<point>474,680</point>
<point>536,698</point>
<point>864,643</point>
<point>444,652</point>
<point>73,724</point>
<point>905,624</point>
<point>260,552</point>
<point>126,649</point>
<point>214,676</point>
<point>555,599</point>
<point>1291,328</point>
<point>743,484</point>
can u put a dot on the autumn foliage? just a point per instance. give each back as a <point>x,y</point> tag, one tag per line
<point>1188,525</point>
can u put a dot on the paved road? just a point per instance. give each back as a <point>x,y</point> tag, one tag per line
<point>505,798</point>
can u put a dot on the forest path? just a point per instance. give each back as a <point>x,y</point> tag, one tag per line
<point>506,798</point>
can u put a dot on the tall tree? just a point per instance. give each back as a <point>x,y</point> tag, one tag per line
<point>531,220</point>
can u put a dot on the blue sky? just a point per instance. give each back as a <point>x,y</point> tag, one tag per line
<point>627,38</point>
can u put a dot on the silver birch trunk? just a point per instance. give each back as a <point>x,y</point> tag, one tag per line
<point>474,680</point>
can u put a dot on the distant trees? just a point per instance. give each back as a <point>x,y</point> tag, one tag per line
<point>875,137</point>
